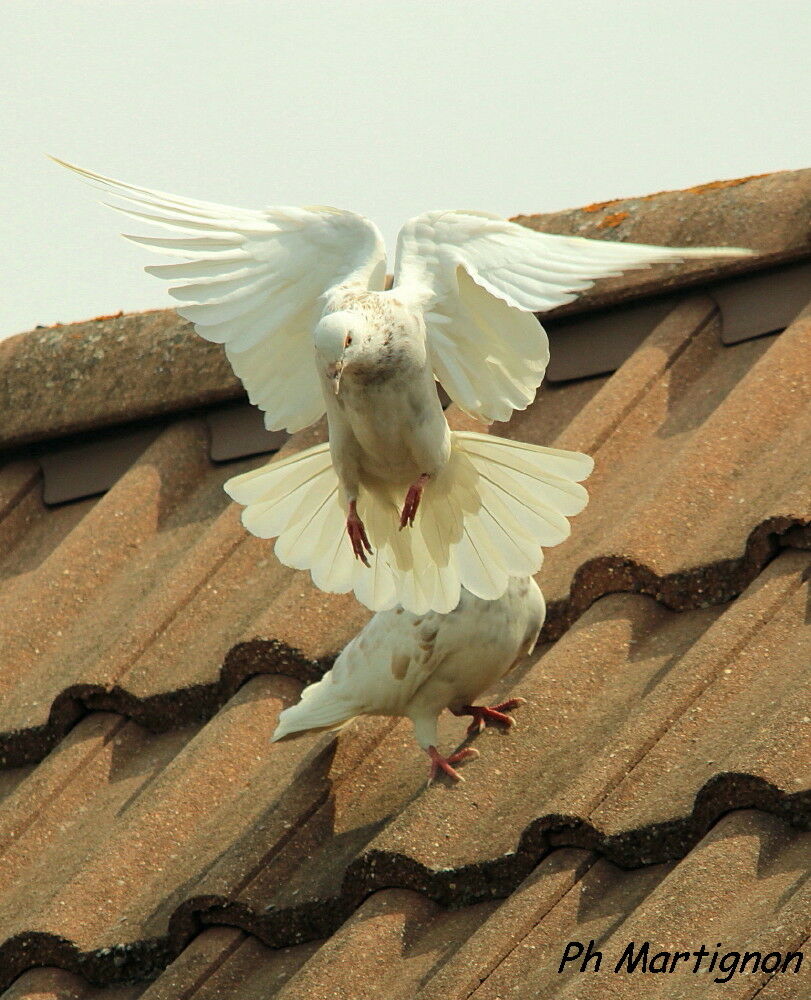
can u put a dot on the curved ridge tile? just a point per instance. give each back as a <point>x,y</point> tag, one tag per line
<point>154,836</point>
<point>768,212</point>
<point>497,878</point>
<point>700,587</point>
<point>177,371</point>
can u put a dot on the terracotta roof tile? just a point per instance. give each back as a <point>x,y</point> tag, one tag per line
<point>186,583</point>
<point>699,456</point>
<point>56,984</point>
<point>133,834</point>
<point>743,887</point>
<point>150,644</point>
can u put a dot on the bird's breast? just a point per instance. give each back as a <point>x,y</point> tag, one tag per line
<point>397,422</point>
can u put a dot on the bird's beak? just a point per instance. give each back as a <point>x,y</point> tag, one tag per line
<point>334,372</point>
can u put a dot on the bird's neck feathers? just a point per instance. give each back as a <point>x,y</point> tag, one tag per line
<point>372,337</point>
<point>379,360</point>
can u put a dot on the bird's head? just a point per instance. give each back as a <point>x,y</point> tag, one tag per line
<point>340,340</point>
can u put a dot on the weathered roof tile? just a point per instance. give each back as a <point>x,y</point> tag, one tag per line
<point>150,644</point>
<point>770,214</point>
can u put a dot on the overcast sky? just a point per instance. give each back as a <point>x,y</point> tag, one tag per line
<point>388,109</point>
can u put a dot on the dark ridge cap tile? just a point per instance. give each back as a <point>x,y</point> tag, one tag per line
<point>698,587</point>
<point>451,888</point>
<point>769,213</point>
<point>93,363</point>
<point>161,712</point>
<point>701,587</point>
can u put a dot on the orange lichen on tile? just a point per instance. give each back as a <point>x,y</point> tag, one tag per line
<point>613,220</point>
<point>703,188</point>
<point>598,206</point>
<point>116,315</point>
<point>718,185</point>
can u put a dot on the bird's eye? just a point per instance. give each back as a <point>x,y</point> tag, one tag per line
<point>348,340</point>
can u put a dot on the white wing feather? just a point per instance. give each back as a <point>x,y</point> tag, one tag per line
<point>254,281</point>
<point>477,277</point>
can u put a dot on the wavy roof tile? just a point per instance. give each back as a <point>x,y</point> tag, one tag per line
<point>155,844</point>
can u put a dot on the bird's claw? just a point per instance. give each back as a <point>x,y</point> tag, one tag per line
<point>412,501</point>
<point>357,535</point>
<point>484,715</point>
<point>444,765</point>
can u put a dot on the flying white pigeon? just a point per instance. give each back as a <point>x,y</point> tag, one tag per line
<point>410,665</point>
<point>297,297</point>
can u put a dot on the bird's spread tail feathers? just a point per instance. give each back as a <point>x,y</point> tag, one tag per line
<point>484,519</point>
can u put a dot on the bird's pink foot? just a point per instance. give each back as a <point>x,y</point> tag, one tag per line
<point>412,501</point>
<point>357,534</point>
<point>484,715</point>
<point>445,764</point>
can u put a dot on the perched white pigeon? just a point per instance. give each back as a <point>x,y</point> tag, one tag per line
<point>417,665</point>
<point>297,297</point>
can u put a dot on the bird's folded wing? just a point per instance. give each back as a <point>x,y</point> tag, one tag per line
<point>479,278</point>
<point>378,672</point>
<point>253,280</point>
<point>390,660</point>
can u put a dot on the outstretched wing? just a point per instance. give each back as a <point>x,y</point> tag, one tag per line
<point>478,278</point>
<point>253,280</point>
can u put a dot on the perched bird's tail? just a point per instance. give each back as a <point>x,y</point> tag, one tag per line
<point>319,709</point>
<point>483,519</point>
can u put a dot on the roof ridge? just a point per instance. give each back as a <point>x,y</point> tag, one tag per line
<point>497,878</point>
<point>42,369</point>
<point>718,185</point>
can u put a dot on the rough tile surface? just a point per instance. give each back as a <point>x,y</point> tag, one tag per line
<point>770,214</point>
